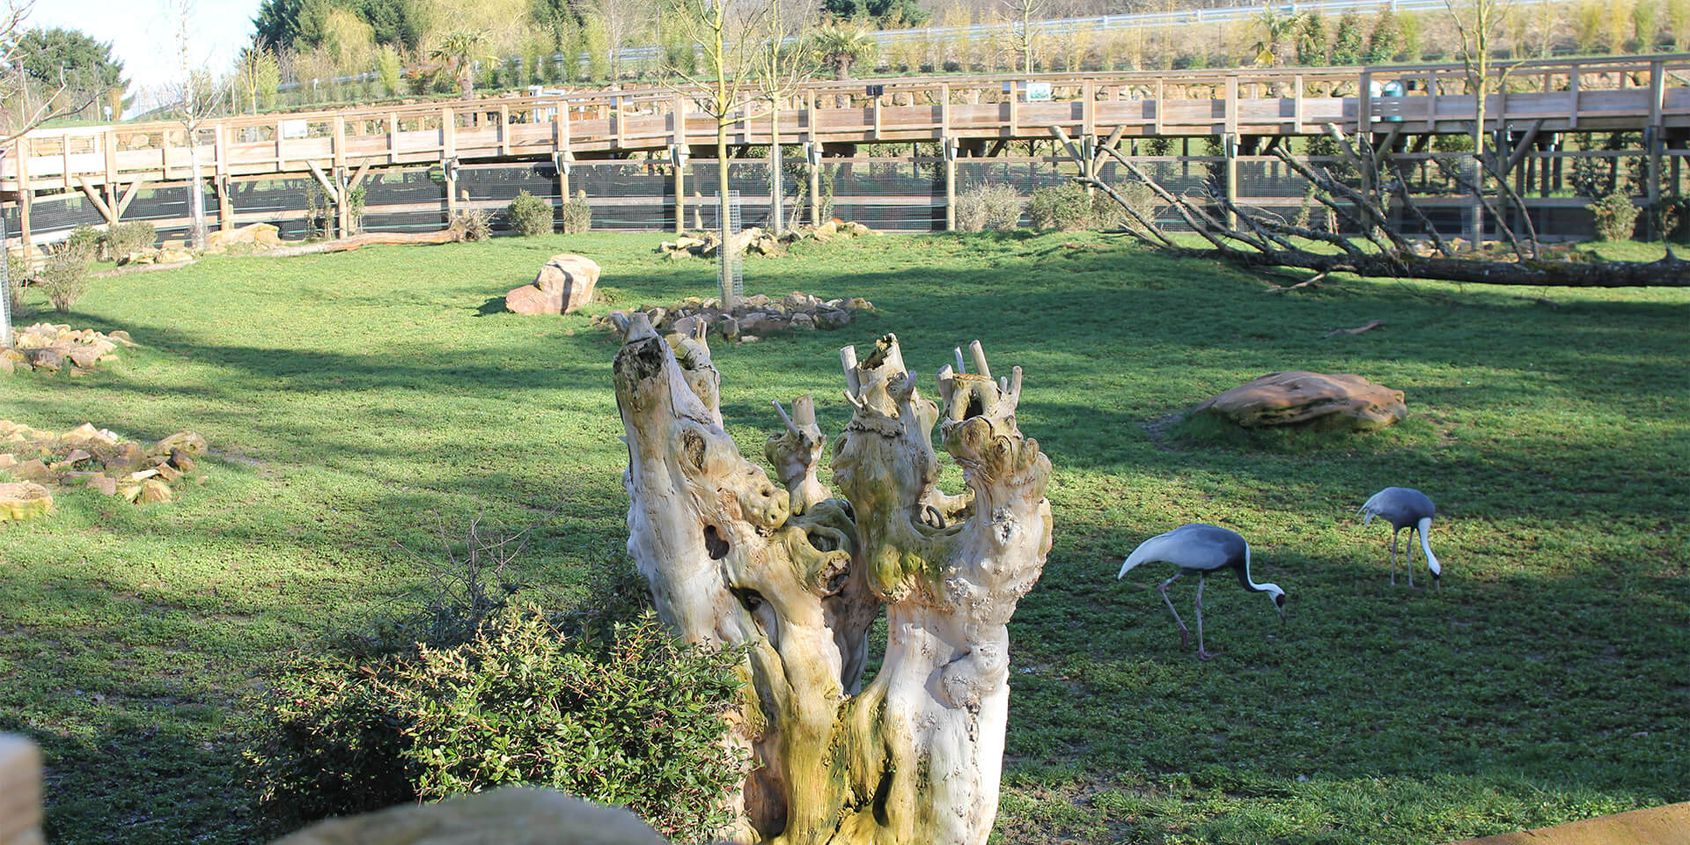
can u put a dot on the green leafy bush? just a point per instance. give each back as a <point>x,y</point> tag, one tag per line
<point>530,215</point>
<point>84,238</point>
<point>988,208</point>
<point>124,238</point>
<point>577,214</point>
<point>1064,208</point>
<point>1616,217</point>
<point>64,278</point>
<point>631,717</point>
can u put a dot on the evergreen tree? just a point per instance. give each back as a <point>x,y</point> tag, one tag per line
<point>884,13</point>
<point>1386,41</point>
<point>1347,46</point>
<point>1311,40</point>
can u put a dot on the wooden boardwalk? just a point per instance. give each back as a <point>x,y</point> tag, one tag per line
<point>976,116</point>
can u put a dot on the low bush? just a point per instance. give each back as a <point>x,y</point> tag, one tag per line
<point>124,238</point>
<point>530,215</point>
<point>1616,217</point>
<point>577,214</point>
<point>988,208</point>
<point>632,717</point>
<point>472,224</point>
<point>85,238</point>
<point>1063,208</point>
<point>64,278</point>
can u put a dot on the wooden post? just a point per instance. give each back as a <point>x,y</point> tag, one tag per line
<point>1229,148</point>
<point>677,153</point>
<point>1364,104</point>
<point>448,135</point>
<point>220,180</point>
<point>949,148</point>
<point>281,160</point>
<point>1573,89</point>
<point>109,141</point>
<point>1088,109</point>
<point>339,141</point>
<point>1014,108</point>
<point>876,134</point>
<point>815,157</point>
<point>392,138</point>
<point>1652,182</point>
<point>504,129</point>
<point>1231,106</point>
<point>1158,126</point>
<point>26,193</point>
<point>944,111</point>
<point>450,166</point>
<point>1297,105</point>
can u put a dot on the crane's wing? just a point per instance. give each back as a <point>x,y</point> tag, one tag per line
<point>1190,546</point>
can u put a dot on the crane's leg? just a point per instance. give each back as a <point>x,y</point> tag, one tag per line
<point>1184,635</point>
<point>1408,558</point>
<point>1394,533</point>
<point>1202,653</point>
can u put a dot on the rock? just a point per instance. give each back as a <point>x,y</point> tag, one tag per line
<point>45,359</point>
<point>184,441</point>
<point>1305,398</point>
<point>104,484</point>
<point>857,303</point>
<point>261,235</point>
<point>85,357</point>
<point>570,277</point>
<point>168,255</point>
<point>510,815</point>
<point>761,323</point>
<point>803,322</point>
<point>24,500</point>
<point>530,300</point>
<point>832,318</point>
<point>688,325</point>
<point>121,336</point>
<point>727,327</point>
<point>749,338</point>
<point>657,316</point>
<point>154,490</point>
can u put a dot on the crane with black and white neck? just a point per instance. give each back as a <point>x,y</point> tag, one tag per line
<point>1201,550</point>
<point>1405,507</point>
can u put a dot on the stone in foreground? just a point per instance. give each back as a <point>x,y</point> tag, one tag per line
<point>1323,400</point>
<point>509,816</point>
<point>24,500</point>
<point>1669,825</point>
<point>563,285</point>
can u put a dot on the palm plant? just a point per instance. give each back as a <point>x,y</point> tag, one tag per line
<point>842,45</point>
<point>1277,28</point>
<point>459,49</point>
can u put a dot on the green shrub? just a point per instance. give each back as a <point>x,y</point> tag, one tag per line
<point>1064,208</point>
<point>124,238</point>
<point>630,717</point>
<point>530,215</point>
<point>577,214</point>
<point>472,224</point>
<point>84,238</point>
<point>64,278</point>
<point>1616,217</point>
<point>988,208</point>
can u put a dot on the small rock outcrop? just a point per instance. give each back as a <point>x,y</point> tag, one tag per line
<point>563,285</point>
<point>254,236</point>
<point>53,346</point>
<point>21,500</point>
<point>97,459</point>
<point>756,241</point>
<point>1310,399</point>
<point>758,315</point>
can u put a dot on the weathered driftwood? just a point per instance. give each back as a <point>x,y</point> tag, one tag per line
<point>444,236</point>
<point>796,576</point>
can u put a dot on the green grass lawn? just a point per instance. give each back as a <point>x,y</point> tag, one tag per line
<point>350,398</point>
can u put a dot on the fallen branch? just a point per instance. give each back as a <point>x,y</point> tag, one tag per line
<point>1357,330</point>
<point>1312,281</point>
<point>444,236</point>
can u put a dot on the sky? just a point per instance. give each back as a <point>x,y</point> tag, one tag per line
<point>143,34</point>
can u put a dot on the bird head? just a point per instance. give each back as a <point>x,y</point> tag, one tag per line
<point>1278,597</point>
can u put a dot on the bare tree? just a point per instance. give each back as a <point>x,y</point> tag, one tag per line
<point>1021,29</point>
<point>195,97</point>
<point>1478,25</point>
<point>623,21</point>
<point>784,63</point>
<point>729,36</point>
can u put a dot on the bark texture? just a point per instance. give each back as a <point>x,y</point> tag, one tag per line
<point>796,575</point>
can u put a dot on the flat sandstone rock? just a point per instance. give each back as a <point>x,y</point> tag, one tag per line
<point>24,500</point>
<point>508,816</point>
<point>1669,825</point>
<point>1304,398</point>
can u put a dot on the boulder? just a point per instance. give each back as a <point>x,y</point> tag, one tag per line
<point>564,284</point>
<point>570,277</point>
<point>833,318</point>
<point>24,500</point>
<point>511,815</point>
<point>803,322</point>
<point>44,359</point>
<point>1313,399</point>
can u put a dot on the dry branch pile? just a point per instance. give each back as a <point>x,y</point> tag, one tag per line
<point>756,241</point>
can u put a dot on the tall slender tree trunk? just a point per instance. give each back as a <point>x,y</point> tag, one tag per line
<point>776,177</point>
<point>196,200</point>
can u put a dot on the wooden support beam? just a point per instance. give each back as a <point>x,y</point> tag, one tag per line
<point>26,193</point>
<point>1518,154</point>
<point>1014,108</point>
<point>108,143</point>
<point>1231,106</point>
<point>949,148</point>
<point>128,195</point>
<point>1297,105</point>
<point>1573,92</point>
<point>392,138</point>
<point>339,141</point>
<point>450,172</point>
<point>1158,126</point>
<point>448,135</point>
<point>505,129</point>
<point>1229,148</point>
<point>1088,109</point>
<point>225,204</point>
<point>94,197</point>
<point>945,112</point>
<point>322,178</point>
<point>220,178</point>
<point>1364,103</point>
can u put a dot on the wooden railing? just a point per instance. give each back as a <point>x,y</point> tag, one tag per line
<point>1586,94</point>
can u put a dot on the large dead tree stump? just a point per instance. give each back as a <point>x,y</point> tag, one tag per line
<point>797,575</point>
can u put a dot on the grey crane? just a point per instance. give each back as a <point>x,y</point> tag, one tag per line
<point>1199,549</point>
<point>1405,507</point>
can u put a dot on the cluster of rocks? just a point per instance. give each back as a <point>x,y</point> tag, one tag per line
<point>257,237</point>
<point>52,347</point>
<point>755,241</point>
<point>564,284</point>
<point>756,316</point>
<point>1301,398</point>
<point>37,461</point>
